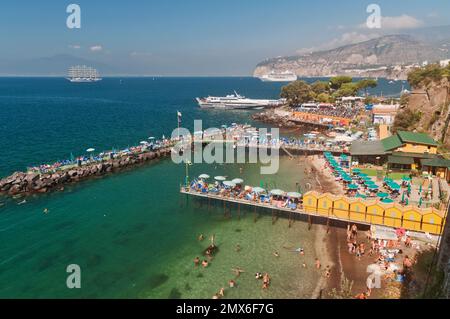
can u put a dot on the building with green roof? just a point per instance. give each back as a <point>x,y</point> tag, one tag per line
<point>401,151</point>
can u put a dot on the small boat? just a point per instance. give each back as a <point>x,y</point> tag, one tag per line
<point>310,135</point>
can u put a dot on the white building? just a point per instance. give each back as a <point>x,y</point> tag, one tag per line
<point>384,113</point>
<point>444,63</point>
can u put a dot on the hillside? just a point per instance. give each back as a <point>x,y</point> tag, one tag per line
<point>376,58</point>
<point>427,109</point>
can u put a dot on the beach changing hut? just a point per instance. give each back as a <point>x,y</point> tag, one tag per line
<point>412,218</point>
<point>375,213</point>
<point>325,204</point>
<point>341,207</point>
<point>432,220</point>
<point>310,202</point>
<point>357,209</point>
<point>393,215</point>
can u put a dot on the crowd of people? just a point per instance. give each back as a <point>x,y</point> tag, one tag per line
<point>337,111</point>
<point>383,255</point>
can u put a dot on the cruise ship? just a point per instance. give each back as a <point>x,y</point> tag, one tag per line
<point>273,76</point>
<point>236,101</point>
<point>83,74</point>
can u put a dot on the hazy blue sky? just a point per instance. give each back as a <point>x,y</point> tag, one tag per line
<point>195,36</point>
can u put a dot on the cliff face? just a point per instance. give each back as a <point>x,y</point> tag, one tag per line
<point>432,103</point>
<point>374,58</point>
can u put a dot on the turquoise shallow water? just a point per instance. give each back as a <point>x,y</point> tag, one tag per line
<point>132,234</point>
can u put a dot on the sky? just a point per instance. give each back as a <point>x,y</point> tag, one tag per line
<point>198,37</point>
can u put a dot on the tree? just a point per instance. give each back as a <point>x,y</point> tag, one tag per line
<point>324,98</point>
<point>337,81</point>
<point>297,92</point>
<point>365,84</point>
<point>320,87</point>
<point>405,120</point>
<point>347,89</point>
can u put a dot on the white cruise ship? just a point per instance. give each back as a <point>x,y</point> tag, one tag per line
<point>83,74</point>
<point>236,101</point>
<point>273,76</point>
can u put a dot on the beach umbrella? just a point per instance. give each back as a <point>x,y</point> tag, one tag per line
<point>420,201</point>
<point>406,179</point>
<point>220,178</point>
<point>294,195</point>
<point>258,190</point>
<point>229,184</point>
<point>383,195</point>
<point>203,176</point>
<point>238,180</point>
<point>347,179</point>
<point>403,197</point>
<point>143,142</point>
<point>151,138</point>
<point>363,175</point>
<point>277,192</point>
<point>388,180</point>
<point>353,187</point>
<point>387,201</point>
<point>420,189</point>
<point>361,196</point>
<point>373,187</point>
<point>394,186</point>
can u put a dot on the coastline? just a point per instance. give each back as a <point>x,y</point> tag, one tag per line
<point>325,242</point>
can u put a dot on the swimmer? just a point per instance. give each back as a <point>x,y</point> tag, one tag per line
<point>205,263</point>
<point>237,271</point>
<point>45,210</point>
<point>196,261</point>
<point>201,237</point>
<point>232,283</point>
<point>258,275</point>
<point>302,252</point>
<point>222,292</point>
<point>327,272</point>
<point>304,265</point>
<point>276,254</point>
<point>238,248</point>
<point>318,265</point>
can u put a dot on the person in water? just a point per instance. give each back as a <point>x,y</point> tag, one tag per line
<point>232,283</point>
<point>196,261</point>
<point>201,237</point>
<point>222,292</point>
<point>238,248</point>
<point>258,275</point>
<point>276,254</point>
<point>266,281</point>
<point>205,263</point>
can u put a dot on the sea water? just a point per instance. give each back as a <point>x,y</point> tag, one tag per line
<point>132,234</point>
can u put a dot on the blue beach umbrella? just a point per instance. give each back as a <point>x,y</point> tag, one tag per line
<point>383,195</point>
<point>353,187</point>
<point>387,201</point>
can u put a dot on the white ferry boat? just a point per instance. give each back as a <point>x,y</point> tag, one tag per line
<point>274,76</point>
<point>236,101</point>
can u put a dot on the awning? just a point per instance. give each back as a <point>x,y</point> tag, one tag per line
<point>392,159</point>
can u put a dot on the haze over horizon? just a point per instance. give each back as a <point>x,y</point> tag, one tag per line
<point>195,38</point>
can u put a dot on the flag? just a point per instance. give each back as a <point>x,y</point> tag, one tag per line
<point>179,116</point>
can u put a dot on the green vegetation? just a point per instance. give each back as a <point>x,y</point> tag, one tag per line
<point>406,120</point>
<point>299,92</point>
<point>427,75</point>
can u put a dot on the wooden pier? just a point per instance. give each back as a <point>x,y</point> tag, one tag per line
<point>354,217</point>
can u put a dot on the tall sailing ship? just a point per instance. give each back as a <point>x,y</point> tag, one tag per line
<point>83,74</point>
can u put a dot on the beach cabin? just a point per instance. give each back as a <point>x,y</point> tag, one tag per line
<point>341,207</point>
<point>393,215</point>
<point>310,202</point>
<point>412,218</point>
<point>375,213</point>
<point>325,204</point>
<point>432,220</point>
<point>357,210</point>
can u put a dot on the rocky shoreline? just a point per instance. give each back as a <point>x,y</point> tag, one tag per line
<point>22,183</point>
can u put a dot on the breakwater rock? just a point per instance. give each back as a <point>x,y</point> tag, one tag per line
<point>21,183</point>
